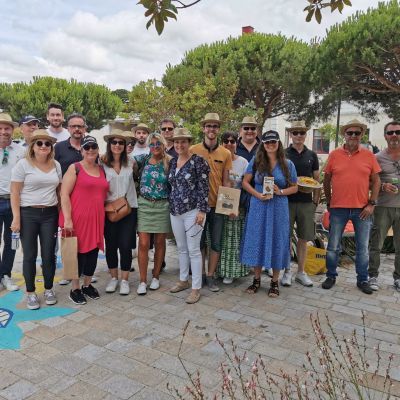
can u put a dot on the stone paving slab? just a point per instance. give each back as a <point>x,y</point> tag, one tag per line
<point>125,347</point>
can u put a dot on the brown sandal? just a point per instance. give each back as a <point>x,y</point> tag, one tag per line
<point>274,289</point>
<point>253,288</point>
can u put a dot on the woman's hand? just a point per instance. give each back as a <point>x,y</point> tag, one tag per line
<point>277,190</point>
<point>68,225</point>
<point>15,225</point>
<point>200,218</point>
<point>263,197</point>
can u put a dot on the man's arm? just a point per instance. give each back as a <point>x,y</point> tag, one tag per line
<point>316,192</point>
<point>327,188</point>
<point>375,187</point>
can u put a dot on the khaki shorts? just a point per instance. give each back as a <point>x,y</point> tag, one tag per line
<point>303,215</point>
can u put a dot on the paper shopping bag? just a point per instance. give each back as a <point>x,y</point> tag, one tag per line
<point>69,256</point>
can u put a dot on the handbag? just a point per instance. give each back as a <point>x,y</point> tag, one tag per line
<point>117,209</point>
<point>69,255</point>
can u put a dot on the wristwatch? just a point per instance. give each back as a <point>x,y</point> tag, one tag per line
<point>372,202</point>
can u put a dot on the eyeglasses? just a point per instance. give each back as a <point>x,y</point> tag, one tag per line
<point>76,126</point>
<point>272,141</point>
<point>115,142</point>
<point>211,126</point>
<point>231,141</point>
<point>156,144</point>
<point>201,229</point>
<point>391,133</point>
<point>93,146</point>
<point>353,133</point>
<point>301,133</point>
<point>39,143</point>
<point>167,129</point>
<point>5,157</point>
<point>249,128</point>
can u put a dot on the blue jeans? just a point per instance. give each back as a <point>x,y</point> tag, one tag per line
<point>338,220</point>
<point>8,255</point>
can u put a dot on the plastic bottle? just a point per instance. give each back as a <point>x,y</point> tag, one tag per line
<point>395,182</point>
<point>14,240</point>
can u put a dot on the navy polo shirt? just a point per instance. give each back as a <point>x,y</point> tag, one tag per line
<point>306,162</point>
<point>243,152</point>
<point>66,154</point>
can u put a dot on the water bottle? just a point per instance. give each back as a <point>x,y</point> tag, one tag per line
<point>395,182</point>
<point>14,240</point>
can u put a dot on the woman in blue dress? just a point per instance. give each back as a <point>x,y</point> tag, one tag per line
<point>266,237</point>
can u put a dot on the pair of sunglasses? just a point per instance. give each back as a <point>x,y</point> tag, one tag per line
<point>249,128</point>
<point>353,133</point>
<point>5,157</point>
<point>231,141</point>
<point>296,133</point>
<point>157,144</point>
<point>391,133</point>
<point>93,146</point>
<point>167,129</point>
<point>212,126</point>
<point>273,141</point>
<point>120,142</point>
<point>40,143</point>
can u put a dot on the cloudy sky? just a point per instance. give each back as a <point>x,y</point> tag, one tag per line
<point>106,42</point>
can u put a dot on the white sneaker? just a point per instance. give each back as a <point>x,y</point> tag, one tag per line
<point>155,284</point>
<point>50,297</point>
<point>227,281</point>
<point>124,287</point>
<point>142,288</point>
<point>303,278</point>
<point>286,278</point>
<point>134,253</point>
<point>373,283</point>
<point>268,271</point>
<point>112,285</point>
<point>94,279</point>
<point>8,283</point>
<point>32,301</point>
<point>151,255</point>
<point>64,282</point>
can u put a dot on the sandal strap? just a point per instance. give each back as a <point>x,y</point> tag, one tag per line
<point>255,285</point>
<point>274,288</point>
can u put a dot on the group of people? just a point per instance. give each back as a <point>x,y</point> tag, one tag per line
<point>151,184</point>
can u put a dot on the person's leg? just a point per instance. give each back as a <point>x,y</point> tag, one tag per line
<point>159,245</point>
<point>90,266</point>
<point>125,240</point>
<point>216,230</point>
<point>203,242</point>
<point>143,256</point>
<point>253,288</point>
<point>179,228</point>
<point>396,243</point>
<point>111,242</point>
<point>8,255</point>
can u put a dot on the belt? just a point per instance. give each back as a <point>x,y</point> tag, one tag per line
<point>5,197</point>
<point>152,200</point>
<point>39,207</point>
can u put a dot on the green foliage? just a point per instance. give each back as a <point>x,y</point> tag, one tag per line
<point>96,102</point>
<point>314,9</point>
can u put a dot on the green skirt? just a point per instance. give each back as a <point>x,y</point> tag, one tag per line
<point>153,216</point>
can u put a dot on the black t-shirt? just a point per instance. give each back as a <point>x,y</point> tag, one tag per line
<point>66,154</point>
<point>243,152</point>
<point>306,163</point>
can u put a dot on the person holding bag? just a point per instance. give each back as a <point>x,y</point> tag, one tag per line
<point>121,209</point>
<point>35,182</point>
<point>83,194</point>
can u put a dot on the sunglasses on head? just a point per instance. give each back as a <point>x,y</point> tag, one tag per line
<point>353,133</point>
<point>215,126</point>
<point>391,133</point>
<point>271,141</point>
<point>156,144</point>
<point>249,128</point>
<point>115,142</point>
<point>91,146</point>
<point>301,133</point>
<point>167,129</point>
<point>231,141</point>
<point>40,143</point>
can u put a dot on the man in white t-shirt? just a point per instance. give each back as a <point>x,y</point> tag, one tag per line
<point>141,132</point>
<point>55,116</point>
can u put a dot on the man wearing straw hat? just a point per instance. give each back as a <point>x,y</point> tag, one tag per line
<point>349,173</point>
<point>10,154</point>
<point>248,140</point>
<point>301,205</point>
<point>141,132</point>
<point>220,161</point>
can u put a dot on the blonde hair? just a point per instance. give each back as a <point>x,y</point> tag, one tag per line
<point>30,154</point>
<point>166,157</point>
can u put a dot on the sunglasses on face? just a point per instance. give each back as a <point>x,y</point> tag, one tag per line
<point>93,146</point>
<point>40,143</point>
<point>391,133</point>
<point>273,141</point>
<point>249,128</point>
<point>120,142</point>
<point>231,141</point>
<point>156,144</point>
<point>130,144</point>
<point>212,126</point>
<point>353,133</point>
<point>76,126</point>
<point>5,157</point>
<point>301,133</point>
<point>167,129</point>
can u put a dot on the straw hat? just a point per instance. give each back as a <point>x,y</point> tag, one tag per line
<point>182,133</point>
<point>298,126</point>
<point>115,133</point>
<point>353,122</point>
<point>211,117</point>
<point>6,119</point>
<point>250,121</point>
<point>42,134</point>
<point>141,127</point>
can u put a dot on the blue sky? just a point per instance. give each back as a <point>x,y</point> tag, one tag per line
<point>106,41</point>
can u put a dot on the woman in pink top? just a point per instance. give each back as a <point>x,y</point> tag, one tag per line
<point>83,193</point>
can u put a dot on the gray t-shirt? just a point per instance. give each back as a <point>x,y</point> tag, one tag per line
<point>389,171</point>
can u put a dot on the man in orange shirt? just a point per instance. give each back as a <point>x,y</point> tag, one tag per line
<point>348,174</point>
<point>220,161</point>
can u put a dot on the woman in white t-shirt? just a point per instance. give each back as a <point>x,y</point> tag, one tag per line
<point>35,182</point>
<point>229,266</point>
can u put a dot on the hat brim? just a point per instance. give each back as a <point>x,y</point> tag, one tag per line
<point>248,124</point>
<point>141,128</point>
<point>44,137</point>
<point>205,121</point>
<point>30,120</point>
<point>344,127</point>
<point>181,137</point>
<point>11,123</point>
<point>108,137</point>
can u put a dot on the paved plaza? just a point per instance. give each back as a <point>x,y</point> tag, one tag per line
<point>126,347</point>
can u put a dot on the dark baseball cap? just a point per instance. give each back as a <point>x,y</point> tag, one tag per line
<point>88,140</point>
<point>27,119</point>
<point>270,135</point>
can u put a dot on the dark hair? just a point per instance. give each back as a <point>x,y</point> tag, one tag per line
<point>390,123</point>
<point>76,115</point>
<point>55,105</point>
<point>263,164</point>
<point>108,157</point>
<point>165,120</point>
<point>228,134</point>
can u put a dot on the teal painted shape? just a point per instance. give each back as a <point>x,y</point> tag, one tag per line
<point>11,334</point>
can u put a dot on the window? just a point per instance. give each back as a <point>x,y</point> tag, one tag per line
<point>320,143</point>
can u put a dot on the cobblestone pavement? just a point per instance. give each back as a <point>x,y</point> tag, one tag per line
<point>126,347</point>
